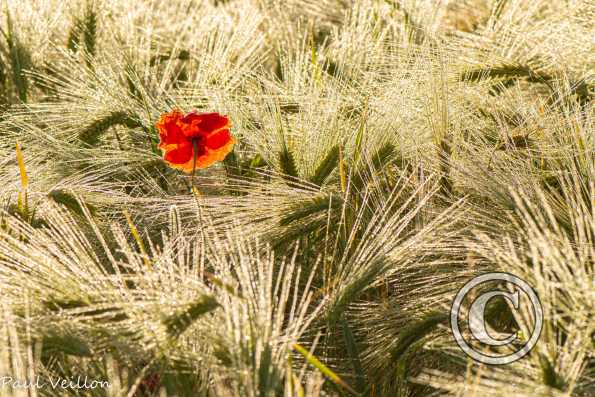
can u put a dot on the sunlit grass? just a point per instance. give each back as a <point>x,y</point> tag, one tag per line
<point>385,153</point>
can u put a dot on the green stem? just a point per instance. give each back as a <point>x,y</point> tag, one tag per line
<point>195,146</point>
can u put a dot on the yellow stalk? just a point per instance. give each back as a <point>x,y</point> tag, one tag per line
<point>138,240</point>
<point>326,371</point>
<point>22,170</point>
<point>22,200</point>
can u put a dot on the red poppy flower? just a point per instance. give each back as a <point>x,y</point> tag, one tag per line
<point>194,140</point>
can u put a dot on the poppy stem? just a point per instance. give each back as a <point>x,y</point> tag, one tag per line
<point>195,147</point>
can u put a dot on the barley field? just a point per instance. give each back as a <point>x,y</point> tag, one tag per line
<point>283,197</point>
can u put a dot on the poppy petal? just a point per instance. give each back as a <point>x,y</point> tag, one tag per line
<point>190,125</point>
<point>206,157</point>
<point>218,139</point>
<point>179,134</point>
<point>169,127</point>
<point>180,155</point>
<point>213,156</point>
<point>211,122</point>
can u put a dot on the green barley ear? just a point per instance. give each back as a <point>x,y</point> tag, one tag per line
<point>176,381</point>
<point>178,323</point>
<point>405,368</point>
<point>402,366</point>
<point>499,316</point>
<point>20,59</point>
<point>353,352</point>
<point>74,35</point>
<point>232,165</point>
<point>414,30</point>
<point>278,69</point>
<point>66,344</point>
<point>332,68</point>
<point>268,377</point>
<point>415,331</point>
<point>505,71</point>
<point>498,9</point>
<point>444,154</point>
<point>2,71</point>
<point>89,30</point>
<point>183,55</point>
<point>379,160</point>
<point>384,156</point>
<point>309,207</point>
<point>343,170</point>
<point>91,134</point>
<point>326,166</point>
<point>584,92</point>
<point>294,230</point>
<point>256,162</point>
<point>223,355</point>
<point>289,107</point>
<point>181,76</point>
<point>82,309</point>
<point>58,304</point>
<point>68,200</point>
<point>305,218</point>
<point>287,164</point>
<point>132,81</point>
<point>508,74</point>
<point>410,343</point>
<point>549,375</point>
